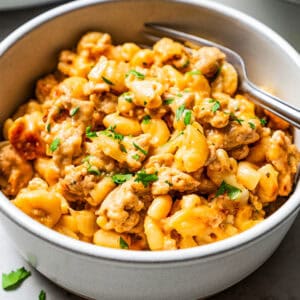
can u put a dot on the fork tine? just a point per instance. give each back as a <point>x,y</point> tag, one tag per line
<point>151,37</point>
<point>144,46</point>
<point>272,103</point>
<point>178,35</point>
<point>158,29</point>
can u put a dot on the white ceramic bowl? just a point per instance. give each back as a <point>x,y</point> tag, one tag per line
<point>103,273</point>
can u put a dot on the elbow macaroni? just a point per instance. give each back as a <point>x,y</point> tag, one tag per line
<point>145,149</point>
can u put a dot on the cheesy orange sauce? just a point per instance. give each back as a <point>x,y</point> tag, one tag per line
<point>145,149</point>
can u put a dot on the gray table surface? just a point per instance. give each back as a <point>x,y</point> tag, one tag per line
<point>279,277</point>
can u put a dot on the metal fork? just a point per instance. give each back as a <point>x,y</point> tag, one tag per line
<point>280,108</point>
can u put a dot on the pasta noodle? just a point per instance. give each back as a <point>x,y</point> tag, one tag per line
<point>145,149</point>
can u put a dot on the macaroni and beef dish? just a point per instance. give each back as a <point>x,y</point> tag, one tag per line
<point>145,149</point>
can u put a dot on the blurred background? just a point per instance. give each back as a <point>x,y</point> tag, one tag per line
<point>279,277</point>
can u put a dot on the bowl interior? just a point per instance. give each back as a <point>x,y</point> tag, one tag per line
<point>32,50</point>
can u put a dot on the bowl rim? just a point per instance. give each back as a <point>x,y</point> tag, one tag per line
<point>287,210</point>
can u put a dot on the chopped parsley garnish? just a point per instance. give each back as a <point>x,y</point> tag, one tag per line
<point>179,95</point>
<point>123,244</point>
<point>187,117</point>
<point>179,112</point>
<point>87,158</point>
<point>55,144</point>
<point>263,121</point>
<point>48,127</point>
<point>89,133</point>
<point>186,64</point>
<point>168,101</point>
<point>137,74</point>
<point>122,148</point>
<point>127,97</point>
<point>107,80</point>
<point>93,170</point>
<point>136,156</point>
<point>110,132</point>
<point>168,183</point>
<point>145,178</point>
<point>193,72</point>
<point>233,117</point>
<point>187,113</point>
<point>232,191</point>
<point>136,146</point>
<point>120,178</point>
<point>74,111</point>
<point>216,105</point>
<point>14,279</point>
<point>42,295</point>
<point>146,119</point>
<point>252,125</point>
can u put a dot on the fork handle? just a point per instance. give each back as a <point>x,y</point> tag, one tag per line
<point>273,104</point>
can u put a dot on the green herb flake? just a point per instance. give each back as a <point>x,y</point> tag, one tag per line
<point>93,170</point>
<point>74,111</point>
<point>120,178</point>
<point>186,64</point>
<point>145,178</point>
<point>146,119</point>
<point>127,97</point>
<point>252,125</point>
<point>232,191</point>
<point>42,295</point>
<point>87,158</point>
<point>136,146</point>
<point>110,132</point>
<point>14,279</point>
<point>179,95</point>
<point>48,127</point>
<point>55,144</point>
<point>233,117</point>
<point>179,112</point>
<point>122,148</point>
<point>107,80</point>
<point>136,157</point>
<point>168,183</point>
<point>263,121</point>
<point>187,117</point>
<point>193,72</point>
<point>116,136</point>
<point>137,74</point>
<point>90,134</point>
<point>123,244</point>
<point>168,101</point>
<point>216,106</point>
